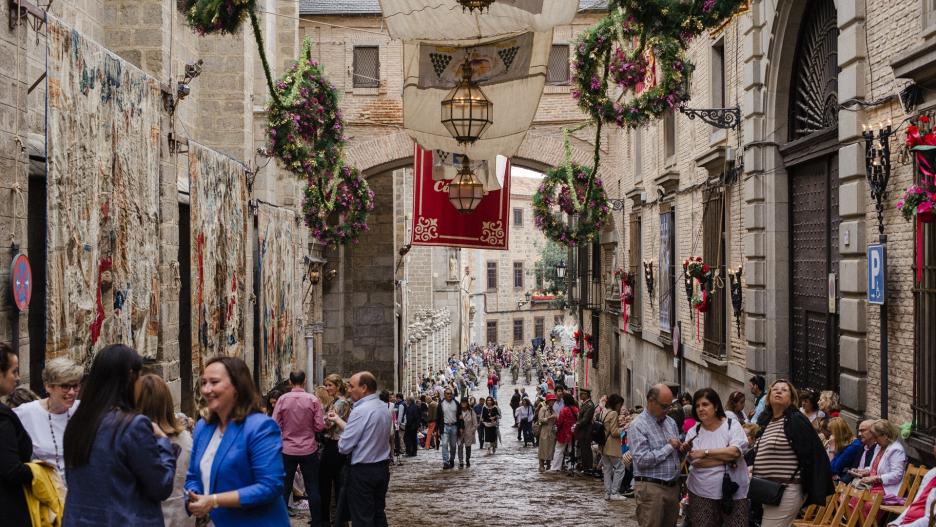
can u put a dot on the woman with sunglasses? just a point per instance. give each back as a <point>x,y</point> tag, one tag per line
<point>45,420</point>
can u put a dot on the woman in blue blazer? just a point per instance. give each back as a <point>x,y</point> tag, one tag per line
<point>236,470</point>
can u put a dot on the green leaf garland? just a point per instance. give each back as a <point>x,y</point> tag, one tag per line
<point>679,19</point>
<point>337,214</point>
<point>565,188</point>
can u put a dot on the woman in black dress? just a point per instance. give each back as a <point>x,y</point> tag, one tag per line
<point>15,447</point>
<point>490,417</point>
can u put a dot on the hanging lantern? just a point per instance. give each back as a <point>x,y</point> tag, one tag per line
<point>472,5</point>
<point>466,111</point>
<point>465,191</point>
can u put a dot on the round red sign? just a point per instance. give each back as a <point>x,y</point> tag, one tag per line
<point>21,281</point>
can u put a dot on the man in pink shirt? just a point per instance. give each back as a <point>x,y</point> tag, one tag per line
<point>299,416</point>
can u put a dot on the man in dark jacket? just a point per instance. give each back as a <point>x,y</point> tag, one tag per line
<point>412,418</point>
<point>583,429</point>
<point>514,404</point>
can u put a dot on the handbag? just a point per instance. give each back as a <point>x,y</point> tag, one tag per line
<point>765,491</point>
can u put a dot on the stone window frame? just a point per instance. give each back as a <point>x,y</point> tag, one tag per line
<point>518,329</point>
<point>669,138</point>
<point>491,276</point>
<point>349,65</point>
<point>518,217</point>
<point>550,80</point>
<point>539,327</point>
<point>717,74</point>
<point>518,275</point>
<point>489,327</point>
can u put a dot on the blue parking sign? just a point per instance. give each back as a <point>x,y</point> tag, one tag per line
<point>877,271</point>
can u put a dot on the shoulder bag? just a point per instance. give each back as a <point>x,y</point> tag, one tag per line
<point>765,491</point>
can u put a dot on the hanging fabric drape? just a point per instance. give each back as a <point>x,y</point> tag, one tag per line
<point>511,72</point>
<point>444,20</point>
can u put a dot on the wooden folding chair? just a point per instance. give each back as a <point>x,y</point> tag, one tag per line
<point>870,519</point>
<point>816,516</point>
<point>850,508</point>
<point>909,488</point>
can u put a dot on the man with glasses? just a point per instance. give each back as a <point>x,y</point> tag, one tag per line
<point>654,441</point>
<point>447,423</point>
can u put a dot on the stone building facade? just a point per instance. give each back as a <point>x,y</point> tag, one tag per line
<point>502,311</point>
<point>783,202</point>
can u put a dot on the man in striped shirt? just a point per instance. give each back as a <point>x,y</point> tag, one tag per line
<point>654,441</point>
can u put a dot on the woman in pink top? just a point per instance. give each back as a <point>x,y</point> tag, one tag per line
<point>567,418</point>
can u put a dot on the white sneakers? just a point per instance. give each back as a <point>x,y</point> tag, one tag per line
<point>615,497</point>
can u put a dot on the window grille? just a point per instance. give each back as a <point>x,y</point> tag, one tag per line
<point>518,275</point>
<point>366,67</point>
<point>518,330</point>
<point>492,331</point>
<point>491,276</point>
<point>539,327</point>
<point>636,270</point>
<point>557,72</point>
<point>924,355</point>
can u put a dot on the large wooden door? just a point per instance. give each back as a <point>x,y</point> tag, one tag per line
<point>814,356</point>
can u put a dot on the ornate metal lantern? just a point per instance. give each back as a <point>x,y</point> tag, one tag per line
<point>465,191</point>
<point>466,111</point>
<point>472,5</point>
<point>560,269</point>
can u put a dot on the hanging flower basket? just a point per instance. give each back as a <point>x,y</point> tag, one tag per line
<point>216,16</point>
<point>695,267</point>
<point>682,19</point>
<point>916,201</point>
<point>306,131</point>
<point>565,188</point>
<point>337,213</point>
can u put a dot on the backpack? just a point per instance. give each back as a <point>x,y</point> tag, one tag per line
<point>598,434</point>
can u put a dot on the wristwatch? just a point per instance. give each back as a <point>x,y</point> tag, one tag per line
<point>706,452</point>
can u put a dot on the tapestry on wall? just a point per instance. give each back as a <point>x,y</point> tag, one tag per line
<point>219,221</point>
<point>280,242</point>
<point>103,199</point>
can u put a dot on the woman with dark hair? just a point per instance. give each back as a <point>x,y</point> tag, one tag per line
<point>809,405</point>
<point>236,473</point>
<point>119,465</point>
<point>490,417</point>
<point>716,450</point>
<point>735,407</point>
<point>789,452</point>
<point>271,398</point>
<point>154,400</point>
<point>15,447</point>
<point>612,469</point>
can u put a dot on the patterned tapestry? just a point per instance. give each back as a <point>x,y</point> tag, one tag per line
<point>219,221</point>
<point>281,241</point>
<point>103,199</point>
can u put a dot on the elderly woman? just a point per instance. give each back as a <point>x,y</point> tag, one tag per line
<point>546,432</point>
<point>890,462</point>
<point>789,452</point>
<point>45,419</point>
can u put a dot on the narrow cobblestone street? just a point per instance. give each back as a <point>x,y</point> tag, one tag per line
<point>500,490</point>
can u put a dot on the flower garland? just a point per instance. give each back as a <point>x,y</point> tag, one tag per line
<point>591,213</point>
<point>627,293</point>
<point>225,17</point>
<point>347,197</point>
<point>702,273</point>
<point>682,19</point>
<point>577,350</point>
<point>306,131</point>
<point>605,47</point>
<point>920,200</point>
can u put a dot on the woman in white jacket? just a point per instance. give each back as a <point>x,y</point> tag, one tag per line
<point>890,463</point>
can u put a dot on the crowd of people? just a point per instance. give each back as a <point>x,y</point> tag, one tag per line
<point>106,447</point>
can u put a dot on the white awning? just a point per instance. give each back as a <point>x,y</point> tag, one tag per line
<point>511,72</point>
<point>445,21</point>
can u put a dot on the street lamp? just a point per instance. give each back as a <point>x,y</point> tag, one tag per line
<point>465,191</point>
<point>466,111</point>
<point>472,5</point>
<point>560,269</point>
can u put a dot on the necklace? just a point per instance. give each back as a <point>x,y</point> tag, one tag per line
<point>52,431</point>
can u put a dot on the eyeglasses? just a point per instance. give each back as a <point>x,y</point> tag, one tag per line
<point>69,387</point>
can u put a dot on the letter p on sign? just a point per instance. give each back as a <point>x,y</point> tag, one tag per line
<point>877,272</point>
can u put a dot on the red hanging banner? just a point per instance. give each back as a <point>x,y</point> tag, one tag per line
<point>436,222</point>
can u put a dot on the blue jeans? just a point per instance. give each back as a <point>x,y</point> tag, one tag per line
<point>449,443</point>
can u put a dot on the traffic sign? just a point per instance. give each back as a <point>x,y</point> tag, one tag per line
<point>21,281</point>
<point>877,273</point>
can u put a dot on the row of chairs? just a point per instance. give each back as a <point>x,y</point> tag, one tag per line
<point>854,507</point>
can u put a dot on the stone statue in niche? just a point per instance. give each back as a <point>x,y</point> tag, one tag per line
<point>453,267</point>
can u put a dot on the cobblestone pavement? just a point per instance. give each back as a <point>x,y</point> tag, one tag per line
<point>504,489</point>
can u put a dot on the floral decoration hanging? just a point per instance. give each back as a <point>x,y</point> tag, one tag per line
<point>919,200</point>
<point>306,131</point>
<point>700,292</point>
<point>565,187</point>
<point>682,19</point>
<point>336,210</point>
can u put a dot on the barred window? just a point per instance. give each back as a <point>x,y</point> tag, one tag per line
<point>924,357</point>
<point>518,275</point>
<point>557,72</point>
<point>492,331</point>
<point>492,276</point>
<point>518,330</point>
<point>366,67</point>
<point>539,328</point>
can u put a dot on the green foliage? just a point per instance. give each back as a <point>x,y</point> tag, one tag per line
<point>216,16</point>
<point>545,268</point>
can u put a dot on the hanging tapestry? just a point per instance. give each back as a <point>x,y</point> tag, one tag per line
<point>219,221</point>
<point>281,239</point>
<point>103,199</point>
<point>437,222</point>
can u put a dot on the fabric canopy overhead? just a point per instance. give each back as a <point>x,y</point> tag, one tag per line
<point>512,74</point>
<point>445,21</point>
